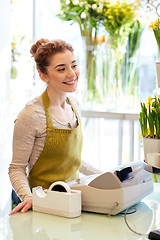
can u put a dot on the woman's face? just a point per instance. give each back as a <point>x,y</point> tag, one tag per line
<point>63,72</point>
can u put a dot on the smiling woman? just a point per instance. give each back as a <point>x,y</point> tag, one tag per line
<point>57,67</point>
<point>47,137</point>
<point>62,73</point>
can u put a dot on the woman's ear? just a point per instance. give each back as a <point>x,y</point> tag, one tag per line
<point>43,77</point>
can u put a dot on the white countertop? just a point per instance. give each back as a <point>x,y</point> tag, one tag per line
<point>89,226</point>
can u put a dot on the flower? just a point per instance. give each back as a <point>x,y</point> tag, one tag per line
<point>155,26</point>
<point>85,12</point>
<point>116,16</point>
<point>150,117</point>
<point>119,16</point>
<point>94,6</point>
<point>75,2</point>
<point>147,102</point>
<point>83,15</point>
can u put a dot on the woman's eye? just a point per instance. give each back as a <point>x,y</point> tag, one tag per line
<point>61,70</point>
<point>74,66</point>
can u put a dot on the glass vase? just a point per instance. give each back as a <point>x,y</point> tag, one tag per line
<point>90,64</point>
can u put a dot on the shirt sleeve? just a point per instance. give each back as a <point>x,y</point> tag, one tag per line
<point>23,141</point>
<point>88,169</point>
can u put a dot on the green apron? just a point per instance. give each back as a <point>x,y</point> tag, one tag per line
<point>60,158</point>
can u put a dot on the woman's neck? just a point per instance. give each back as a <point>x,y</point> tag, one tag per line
<point>57,99</point>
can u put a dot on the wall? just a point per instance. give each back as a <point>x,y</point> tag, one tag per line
<point>5,123</point>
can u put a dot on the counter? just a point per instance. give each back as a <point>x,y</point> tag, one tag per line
<point>89,226</point>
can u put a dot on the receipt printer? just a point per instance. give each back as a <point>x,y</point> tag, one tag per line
<point>59,200</point>
<point>114,191</point>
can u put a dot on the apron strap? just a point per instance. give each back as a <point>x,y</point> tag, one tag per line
<point>74,110</point>
<point>46,104</point>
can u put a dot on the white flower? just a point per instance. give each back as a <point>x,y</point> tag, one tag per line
<point>99,9</point>
<point>94,6</point>
<point>75,2</point>
<point>81,4</point>
<point>83,15</point>
<point>67,1</point>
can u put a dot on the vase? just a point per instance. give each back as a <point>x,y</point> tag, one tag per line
<point>90,64</point>
<point>151,145</point>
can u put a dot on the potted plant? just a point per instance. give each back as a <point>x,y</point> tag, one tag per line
<point>150,110</point>
<point>150,127</point>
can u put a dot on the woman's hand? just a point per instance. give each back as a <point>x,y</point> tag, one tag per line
<point>23,207</point>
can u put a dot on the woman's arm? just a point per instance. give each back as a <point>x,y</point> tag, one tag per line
<point>23,141</point>
<point>88,169</point>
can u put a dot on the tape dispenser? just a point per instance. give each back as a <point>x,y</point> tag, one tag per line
<point>59,200</point>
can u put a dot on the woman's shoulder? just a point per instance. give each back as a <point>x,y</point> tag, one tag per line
<point>32,110</point>
<point>34,104</point>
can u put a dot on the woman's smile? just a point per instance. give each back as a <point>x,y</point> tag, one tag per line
<point>70,82</point>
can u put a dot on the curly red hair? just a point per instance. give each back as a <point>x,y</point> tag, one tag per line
<point>44,49</point>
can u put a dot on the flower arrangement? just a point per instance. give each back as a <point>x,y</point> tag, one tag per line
<point>150,118</point>
<point>155,26</point>
<point>117,18</point>
<point>87,13</point>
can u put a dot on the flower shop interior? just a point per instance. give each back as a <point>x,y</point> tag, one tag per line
<point>116,44</point>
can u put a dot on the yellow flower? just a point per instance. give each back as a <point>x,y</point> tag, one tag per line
<point>116,10</point>
<point>146,104</point>
<point>149,100</point>
<point>151,26</point>
<point>110,17</point>
<point>155,24</point>
<point>153,109</point>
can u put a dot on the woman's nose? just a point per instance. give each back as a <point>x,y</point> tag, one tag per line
<point>71,73</point>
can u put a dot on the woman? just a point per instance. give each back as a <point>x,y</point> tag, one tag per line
<point>47,138</point>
